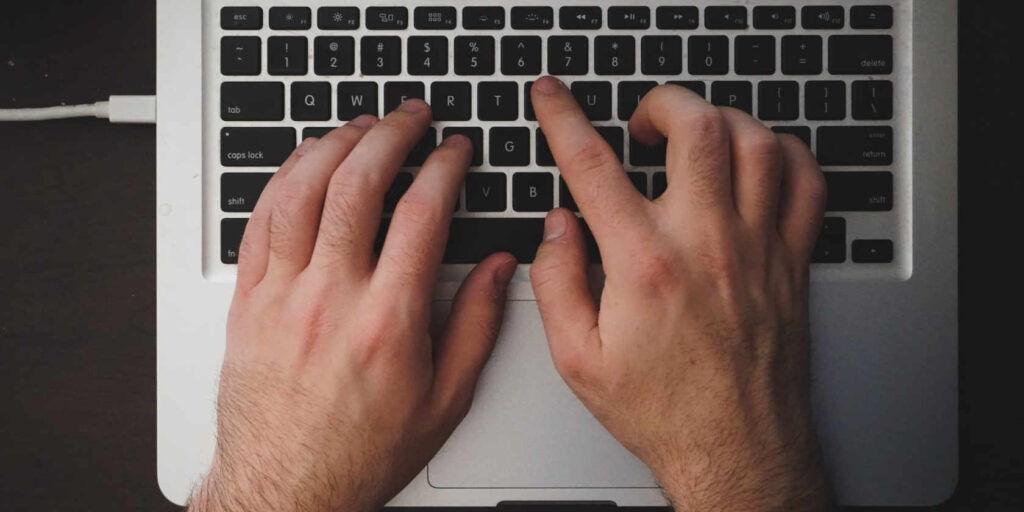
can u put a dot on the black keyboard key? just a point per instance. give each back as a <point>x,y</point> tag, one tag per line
<point>434,18</point>
<point>614,55</point>
<point>533,191</point>
<point>639,180</point>
<point>735,94</point>
<point>381,55</point>
<point>858,191</point>
<point>871,16</point>
<point>778,101</point>
<point>774,17</point>
<point>423,148</point>
<point>528,112</point>
<point>630,94</point>
<point>801,55</point>
<point>801,132</point>
<point>755,55</point>
<point>311,101</point>
<point>579,18</point>
<point>509,146</point>
<point>255,147</point>
<point>831,245</point>
<point>709,55</point>
<point>677,17</point>
<point>316,131</point>
<point>544,156</point>
<point>239,191</point>
<point>252,101</point>
<point>595,98</point>
<point>334,55</point>
<point>486,192</point>
<point>725,18</point>
<point>497,101</point>
<point>520,55</point>
<point>872,100</point>
<point>241,18</point>
<point>291,18</point>
<point>855,145</point>
<point>428,55</point>
<point>387,18</point>
<point>825,101</point>
<point>356,99</point>
<point>661,55</point>
<point>398,188</point>
<point>860,55</point>
<point>287,55</point>
<point>483,18</point>
<point>396,93</point>
<point>533,17</point>
<point>872,251</point>
<point>474,55</point>
<point>565,199</point>
<point>476,135</point>
<point>644,155</point>
<point>613,135</point>
<point>633,17</point>
<point>470,240</point>
<point>699,88</point>
<point>823,17</point>
<point>451,101</point>
<point>240,56</point>
<point>231,231</point>
<point>659,184</point>
<point>337,18</point>
<point>568,55</point>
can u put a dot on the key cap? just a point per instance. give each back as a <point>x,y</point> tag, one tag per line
<point>630,94</point>
<point>311,101</point>
<point>825,101</point>
<point>801,132</point>
<point>544,156</point>
<point>659,183</point>
<point>239,191</point>
<point>533,18</point>
<point>252,101</point>
<point>255,147</point>
<point>725,18</point>
<point>231,231</point>
<point>470,240</point>
<point>381,55</point>
<point>334,55</point>
<point>643,155</point>
<point>565,199</point>
<point>698,87</point>
<point>451,101</point>
<point>872,251</point>
<point>823,17</point>
<point>579,18</point>
<point>855,145</point>
<point>872,100</point>
<point>337,18</point>
<point>831,244</point>
<point>475,135</point>
<point>801,55</point>
<point>483,18</point>
<point>474,55</point>
<point>613,136</point>
<point>595,98</point>
<point>639,180</point>
<point>286,55</point>
<point>568,55</point>
<point>774,17</point>
<point>434,18</point>
<point>419,153</point>
<point>677,17</point>
<point>533,191</point>
<point>755,55</point>
<point>778,101</point>
<point>858,191</point>
<point>509,146</point>
<point>316,131</point>
<point>497,101</point>
<point>614,55</point>
<point>387,18</point>
<point>520,55</point>
<point>241,18</point>
<point>398,188</point>
<point>709,55</point>
<point>733,94</point>
<point>860,55</point>
<point>396,93</point>
<point>486,192</point>
<point>290,18</point>
<point>356,99</point>
<point>528,112</point>
<point>428,55</point>
<point>871,16</point>
<point>661,55</point>
<point>633,17</point>
<point>240,56</point>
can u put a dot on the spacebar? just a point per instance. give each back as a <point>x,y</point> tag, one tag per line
<point>470,240</point>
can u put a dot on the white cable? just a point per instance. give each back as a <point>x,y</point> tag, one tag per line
<point>118,109</point>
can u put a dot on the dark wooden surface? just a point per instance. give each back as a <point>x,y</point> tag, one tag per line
<point>77,263</point>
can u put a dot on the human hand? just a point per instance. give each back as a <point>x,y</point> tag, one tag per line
<point>697,358</point>
<point>333,395</point>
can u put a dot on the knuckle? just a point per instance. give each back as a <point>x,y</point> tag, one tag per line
<point>423,211</point>
<point>573,366</point>
<point>762,144</point>
<point>547,271</point>
<point>594,156</point>
<point>709,124</point>
<point>656,270</point>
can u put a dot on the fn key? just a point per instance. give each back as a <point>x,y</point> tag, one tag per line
<point>231,231</point>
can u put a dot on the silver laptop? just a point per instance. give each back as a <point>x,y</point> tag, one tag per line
<point>870,85</point>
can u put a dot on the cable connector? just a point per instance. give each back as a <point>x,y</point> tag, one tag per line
<point>118,109</point>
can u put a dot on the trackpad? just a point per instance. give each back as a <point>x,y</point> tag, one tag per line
<point>526,428</point>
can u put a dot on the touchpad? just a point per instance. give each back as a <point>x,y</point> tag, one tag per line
<point>526,428</point>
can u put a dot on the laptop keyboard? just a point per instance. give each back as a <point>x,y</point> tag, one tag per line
<point>823,73</point>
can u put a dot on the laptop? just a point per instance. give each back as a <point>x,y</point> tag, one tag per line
<point>869,85</point>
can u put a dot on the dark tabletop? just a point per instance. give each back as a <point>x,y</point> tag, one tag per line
<point>77,262</point>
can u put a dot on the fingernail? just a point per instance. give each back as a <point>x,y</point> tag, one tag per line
<point>411,106</point>
<point>456,140</point>
<point>306,146</point>
<point>548,85</point>
<point>363,121</point>
<point>554,226</point>
<point>504,274</point>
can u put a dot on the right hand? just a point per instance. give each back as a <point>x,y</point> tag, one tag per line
<point>697,358</point>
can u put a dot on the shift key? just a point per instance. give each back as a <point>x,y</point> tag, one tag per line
<point>855,145</point>
<point>255,147</point>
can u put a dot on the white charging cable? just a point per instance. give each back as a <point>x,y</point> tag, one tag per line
<point>118,109</point>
